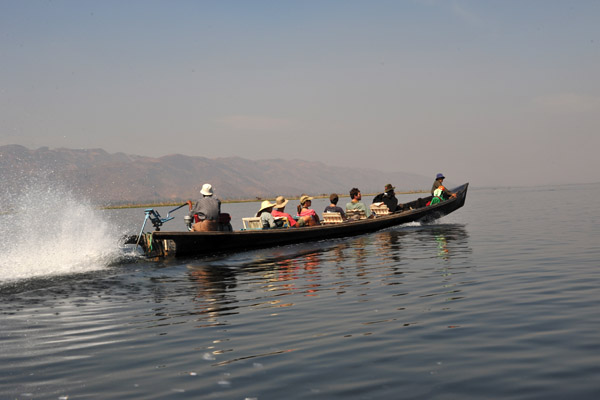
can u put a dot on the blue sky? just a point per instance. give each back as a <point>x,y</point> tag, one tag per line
<point>491,92</point>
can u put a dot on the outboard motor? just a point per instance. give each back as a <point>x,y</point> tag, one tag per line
<point>156,220</point>
<point>188,222</point>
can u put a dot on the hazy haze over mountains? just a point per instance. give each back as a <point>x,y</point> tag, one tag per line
<point>116,178</point>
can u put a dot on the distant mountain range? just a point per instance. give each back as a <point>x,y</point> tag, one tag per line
<point>124,178</point>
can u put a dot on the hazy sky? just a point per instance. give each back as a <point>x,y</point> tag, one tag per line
<point>491,92</point>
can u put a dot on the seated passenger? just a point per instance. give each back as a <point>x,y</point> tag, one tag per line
<point>438,196</point>
<point>206,211</point>
<point>307,216</point>
<point>356,203</point>
<point>278,210</point>
<point>333,207</point>
<point>264,213</point>
<point>388,197</point>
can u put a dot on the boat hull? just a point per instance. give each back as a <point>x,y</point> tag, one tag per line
<point>162,244</point>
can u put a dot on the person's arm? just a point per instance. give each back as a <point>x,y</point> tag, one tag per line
<point>449,193</point>
<point>194,210</point>
<point>316,217</point>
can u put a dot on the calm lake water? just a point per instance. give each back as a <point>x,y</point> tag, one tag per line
<point>497,300</point>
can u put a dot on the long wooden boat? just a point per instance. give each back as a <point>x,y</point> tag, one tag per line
<point>163,243</point>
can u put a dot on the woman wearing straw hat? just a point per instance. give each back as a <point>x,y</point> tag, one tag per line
<point>265,214</point>
<point>278,210</point>
<point>308,217</point>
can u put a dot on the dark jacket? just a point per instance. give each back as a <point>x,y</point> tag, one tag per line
<point>388,198</point>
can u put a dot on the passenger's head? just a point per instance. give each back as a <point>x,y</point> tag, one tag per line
<point>280,202</point>
<point>354,193</point>
<point>266,206</point>
<point>389,188</point>
<point>206,190</point>
<point>333,198</point>
<point>305,200</point>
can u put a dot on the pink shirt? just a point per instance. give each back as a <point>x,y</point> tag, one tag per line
<point>277,213</point>
<point>310,212</point>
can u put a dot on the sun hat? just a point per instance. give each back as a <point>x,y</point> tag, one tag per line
<point>206,189</point>
<point>440,175</point>
<point>304,199</point>
<point>266,204</point>
<point>389,187</point>
<point>280,202</point>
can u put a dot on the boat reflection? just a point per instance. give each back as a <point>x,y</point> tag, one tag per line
<point>214,293</point>
<point>302,269</point>
<point>397,271</point>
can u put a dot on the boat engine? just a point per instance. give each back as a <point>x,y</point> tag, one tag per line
<point>188,222</point>
<point>156,219</point>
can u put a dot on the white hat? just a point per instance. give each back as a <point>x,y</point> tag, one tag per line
<point>206,189</point>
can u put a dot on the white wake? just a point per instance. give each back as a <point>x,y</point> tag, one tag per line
<point>49,231</point>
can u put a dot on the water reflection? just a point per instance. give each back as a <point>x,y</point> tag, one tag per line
<point>289,271</point>
<point>443,234</point>
<point>318,301</point>
<point>354,264</point>
<point>375,283</point>
<point>400,265</point>
<point>337,265</point>
<point>389,245</point>
<point>213,298</point>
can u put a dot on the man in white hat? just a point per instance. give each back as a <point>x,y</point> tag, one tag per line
<point>206,210</point>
